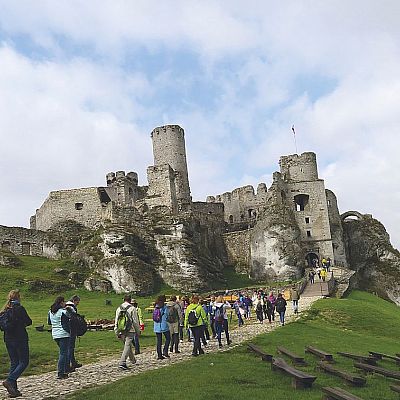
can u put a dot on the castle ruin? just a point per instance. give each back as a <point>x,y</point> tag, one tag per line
<point>270,233</point>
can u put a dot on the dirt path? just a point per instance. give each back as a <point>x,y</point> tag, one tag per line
<point>46,386</point>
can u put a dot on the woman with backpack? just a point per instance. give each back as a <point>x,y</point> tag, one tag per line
<point>195,318</point>
<point>280,306</point>
<point>221,319</point>
<point>161,327</point>
<point>59,321</point>
<point>16,340</point>
<point>272,299</point>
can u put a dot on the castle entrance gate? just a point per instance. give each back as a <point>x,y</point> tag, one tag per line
<point>310,257</point>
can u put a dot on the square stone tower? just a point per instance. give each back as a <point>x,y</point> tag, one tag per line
<point>305,192</point>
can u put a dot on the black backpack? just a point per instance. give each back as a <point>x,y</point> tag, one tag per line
<point>192,317</point>
<point>78,324</point>
<point>6,320</point>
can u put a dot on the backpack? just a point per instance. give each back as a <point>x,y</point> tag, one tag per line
<point>192,317</point>
<point>78,324</point>
<point>172,316</point>
<point>6,319</point>
<point>259,306</point>
<point>219,314</point>
<point>157,315</point>
<point>124,323</point>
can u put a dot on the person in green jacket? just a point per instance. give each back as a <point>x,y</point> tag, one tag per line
<point>195,318</point>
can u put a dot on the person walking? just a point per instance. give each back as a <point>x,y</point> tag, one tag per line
<point>272,299</point>
<point>311,276</point>
<point>161,327</point>
<point>280,306</point>
<point>72,308</point>
<point>126,326</point>
<point>323,274</point>
<point>16,340</point>
<point>259,308</point>
<point>295,296</point>
<point>195,318</point>
<point>60,327</point>
<point>247,306</point>
<point>212,316</point>
<point>141,326</point>
<point>174,319</point>
<point>239,309</point>
<point>221,319</point>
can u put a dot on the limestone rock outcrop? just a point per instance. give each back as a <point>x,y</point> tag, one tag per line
<point>371,255</point>
<point>275,247</point>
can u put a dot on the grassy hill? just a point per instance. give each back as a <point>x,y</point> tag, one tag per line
<point>358,324</point>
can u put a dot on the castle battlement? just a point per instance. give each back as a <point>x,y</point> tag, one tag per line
<point>299,168</point>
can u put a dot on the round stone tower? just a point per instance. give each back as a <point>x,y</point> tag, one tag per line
<point>169,148</point>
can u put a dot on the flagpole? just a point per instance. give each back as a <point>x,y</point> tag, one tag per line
<point>294,137</point>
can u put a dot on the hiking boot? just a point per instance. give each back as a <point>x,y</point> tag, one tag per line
<point>166,356</point>
<point>123,367</point>
<point>161,358</point>
<point>70,369</point>
<point>76,365</point>
<point>13,392</point>
<point>195,355</point>
<point>62,376</point>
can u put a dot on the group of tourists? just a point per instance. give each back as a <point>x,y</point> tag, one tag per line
<point>320,270</point>
<point>201,319</point>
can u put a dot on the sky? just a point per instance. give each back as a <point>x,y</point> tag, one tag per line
<point>83,83</point>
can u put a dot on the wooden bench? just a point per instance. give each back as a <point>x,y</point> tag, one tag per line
<point>297,360</point>
<point>300,379</point>
<point>321,354</point>
<point>358,357</point>
<point>264,356</point>
<point>378,370</point>
<point>347,376</point>
<point>335,393</point>
<point>395,388</point>
<point>381,355</point>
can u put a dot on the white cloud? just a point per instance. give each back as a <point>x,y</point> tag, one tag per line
<point>71,108</point>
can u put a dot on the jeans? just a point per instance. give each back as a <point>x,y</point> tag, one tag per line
<point>137,345</point>
<point>71,351</point>
<point>222,326</point>
<point>197,333</point>
<point>282,317</point>
<point>159,343</point>
<point>18,352</point>
<point>181,332</point>
<point>63,344</point>
<point>127,352</point>
<point>240,319</point>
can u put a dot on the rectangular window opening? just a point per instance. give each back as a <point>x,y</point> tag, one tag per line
<point>78,206</point>
<point>307,220</point>
<point>308,233</point>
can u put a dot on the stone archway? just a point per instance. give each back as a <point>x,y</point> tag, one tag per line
<point>349,214</point>
<point>310,257</point>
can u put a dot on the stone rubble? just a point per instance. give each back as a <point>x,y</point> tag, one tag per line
<point>46,386</point>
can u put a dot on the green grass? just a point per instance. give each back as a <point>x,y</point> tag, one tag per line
<point>92,346</point>
<point>358,324</point>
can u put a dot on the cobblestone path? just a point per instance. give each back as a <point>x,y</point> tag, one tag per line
<point>46,386</point>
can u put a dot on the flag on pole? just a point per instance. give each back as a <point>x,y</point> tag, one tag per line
<point>294,132</point>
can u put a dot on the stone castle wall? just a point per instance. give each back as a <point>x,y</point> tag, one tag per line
<point>81,205</point>
<point>242,204</point>
<point>238,250</point>
<point>28,242</point>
